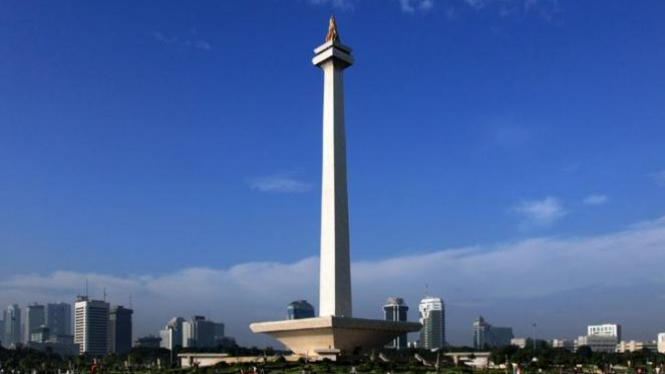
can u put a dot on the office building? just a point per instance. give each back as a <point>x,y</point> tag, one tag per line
<point>172,334</point>
<point>59,318</point>
<point>2,329</point>
<point>120,330</point>
<point>198,333</point>
<point>487,336</point>
<point>601,338</point>
<point>35,317</point>
<point>12,319</point>
<point>396,309</point>
<point>635,346</point>
<point>91,324</point>
<point>433,318</point>
<point>605,330</point>
<point>299,309</point>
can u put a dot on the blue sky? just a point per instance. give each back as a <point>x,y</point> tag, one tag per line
<point>140,141</point>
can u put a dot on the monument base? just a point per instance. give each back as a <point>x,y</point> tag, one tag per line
<point>322,336</point>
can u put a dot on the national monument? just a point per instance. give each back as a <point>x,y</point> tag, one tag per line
<point>335,332</point>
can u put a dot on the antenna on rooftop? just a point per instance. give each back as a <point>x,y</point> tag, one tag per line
<point>104,293</point>
<point>131,306</point>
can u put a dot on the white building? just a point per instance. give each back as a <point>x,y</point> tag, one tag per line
<point>201,333</point>
<point>91,320</point>
<point>661,342</point>
<point>607,329</point>
<point>601,338</point>
<point>433,319</point>
<point>172,334</point>
<point>518,342</point>
<point>634,346</point>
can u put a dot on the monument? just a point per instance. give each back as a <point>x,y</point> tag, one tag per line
<point>335,332</point>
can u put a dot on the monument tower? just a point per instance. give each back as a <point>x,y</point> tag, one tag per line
<point>335,269</point>
<point>334,333</point>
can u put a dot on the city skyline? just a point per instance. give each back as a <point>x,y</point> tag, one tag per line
<point>514,187</point>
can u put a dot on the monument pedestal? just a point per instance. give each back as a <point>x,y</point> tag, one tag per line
<point>326,337</point>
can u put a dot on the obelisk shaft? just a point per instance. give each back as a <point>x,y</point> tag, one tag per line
<point>335,268</point>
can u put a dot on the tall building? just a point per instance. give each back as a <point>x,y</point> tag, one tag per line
<point>35,317</point>
<point>120,330</point>
<point>91,324</point>
<point>487,336</point>
<point>433,318</point>
<point>59,319</point>
<point>299,309</point>
<point>12,318</point>
<point>661,342</point>
<point>198,333</point>
<point>396,309</point>
<point>172,334</point>
<point>2,329</point>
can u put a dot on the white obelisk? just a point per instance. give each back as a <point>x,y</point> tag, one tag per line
<point>335,271</point>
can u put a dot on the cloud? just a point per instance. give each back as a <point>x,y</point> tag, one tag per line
<point>188,43</point>
<point>339,4</point>
<point>280,185</point>
<point>659,178</point>
<point>541,213</point>
<point>547,9</point>
<point>595,199</point>
<point>411,6</point>
<point>519,277</point>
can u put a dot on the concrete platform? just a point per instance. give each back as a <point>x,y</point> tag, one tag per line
<point>320,336</point>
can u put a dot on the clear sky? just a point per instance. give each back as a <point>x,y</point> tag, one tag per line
<point>509,153</point>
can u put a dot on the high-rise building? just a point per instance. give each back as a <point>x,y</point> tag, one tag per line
<point>299,309</point>
<point>12,319</point>
<point>433,318</point>
<point>91,324</point>
<point>487,336</point>
<point>198,332</point>
<point>35,317</point>
<point>172,334</point>
<point>120,330</point>
<point>59,319</point>
<point>661,342</point>
<point>2,329</point>
<point>396,309</point>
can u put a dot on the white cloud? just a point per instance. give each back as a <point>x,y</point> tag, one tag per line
<point>340,4</point>
<point>411,6</point>
<point>659,178</point>
<point>595,199</point>
<point>189,43</point>
<point>541,213</point>
<point>280,185</point>
<point>470,279</point>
